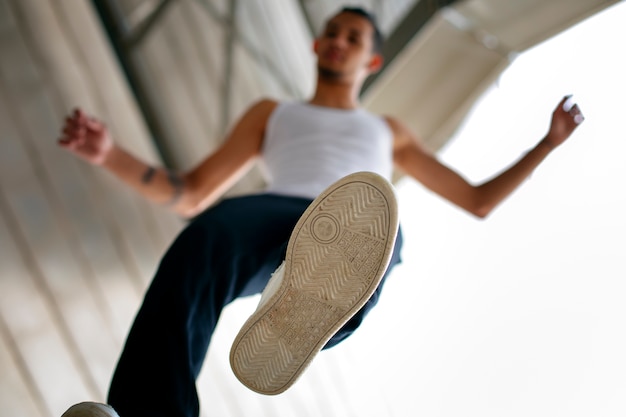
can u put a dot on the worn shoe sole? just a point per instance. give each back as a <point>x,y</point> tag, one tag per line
<point>90,409</point>
<point>336,257</point>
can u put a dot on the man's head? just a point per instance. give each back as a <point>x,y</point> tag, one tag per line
<point>377,36</point>
<point>349,47</point>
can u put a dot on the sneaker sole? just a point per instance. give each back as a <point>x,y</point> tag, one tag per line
<point>336,257</point>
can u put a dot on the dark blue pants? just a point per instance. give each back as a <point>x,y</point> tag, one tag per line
<point>229,251</point>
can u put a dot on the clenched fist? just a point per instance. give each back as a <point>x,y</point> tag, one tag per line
<point>86,137</point>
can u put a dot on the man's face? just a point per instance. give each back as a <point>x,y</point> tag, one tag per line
<point>345,47</point>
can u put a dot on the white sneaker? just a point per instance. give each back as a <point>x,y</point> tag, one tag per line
<point>336,256</point>
<point>89,409</point>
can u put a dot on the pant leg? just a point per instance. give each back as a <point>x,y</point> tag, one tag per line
<point>228,251</point>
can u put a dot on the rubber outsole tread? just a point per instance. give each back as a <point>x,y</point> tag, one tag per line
<point>336,257</point>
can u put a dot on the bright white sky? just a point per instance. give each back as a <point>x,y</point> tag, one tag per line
<point>518,315</point>
<point>522,314</point>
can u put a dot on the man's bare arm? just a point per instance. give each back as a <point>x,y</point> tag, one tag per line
<point>480,199</point>
<point>185,193</point>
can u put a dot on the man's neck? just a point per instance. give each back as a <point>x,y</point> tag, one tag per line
<point>336,95</point>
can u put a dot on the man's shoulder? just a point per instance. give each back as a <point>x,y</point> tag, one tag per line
<point>259,112</point>
<point>395,125</point>
<point>265,104</point>
<point>391,121</point>
<point>400,131</point>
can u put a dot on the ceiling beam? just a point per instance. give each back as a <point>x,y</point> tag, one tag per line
<point>404,33</point>
<point>258,56</point>
<point>116,25</point>
<point>135,35</point>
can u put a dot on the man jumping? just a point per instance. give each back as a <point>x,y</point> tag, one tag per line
<point>326,226</point>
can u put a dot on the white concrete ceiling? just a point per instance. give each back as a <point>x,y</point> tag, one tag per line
<point>462,51</point>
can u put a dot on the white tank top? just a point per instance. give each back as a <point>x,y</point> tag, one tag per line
<point>308,147</point>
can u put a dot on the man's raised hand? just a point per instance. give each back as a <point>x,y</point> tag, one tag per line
<point>86,137</point>
<point>565,119</point>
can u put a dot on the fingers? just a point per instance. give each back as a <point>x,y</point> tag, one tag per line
<point>76,127</point>
<point>90,123</point>
<point>568,105</point>
<point>94,125</point>
<point>80,118</point>
<point>73,131</point>
<point>576,114</point>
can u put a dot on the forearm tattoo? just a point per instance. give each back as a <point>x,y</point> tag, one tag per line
<point>148,175</point>
<point>173,178</point>
<point>177,183</point>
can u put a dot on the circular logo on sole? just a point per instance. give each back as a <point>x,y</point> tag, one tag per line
<point>325,229</point>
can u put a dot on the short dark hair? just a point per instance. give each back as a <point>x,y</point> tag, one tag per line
<point>377,36</point>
